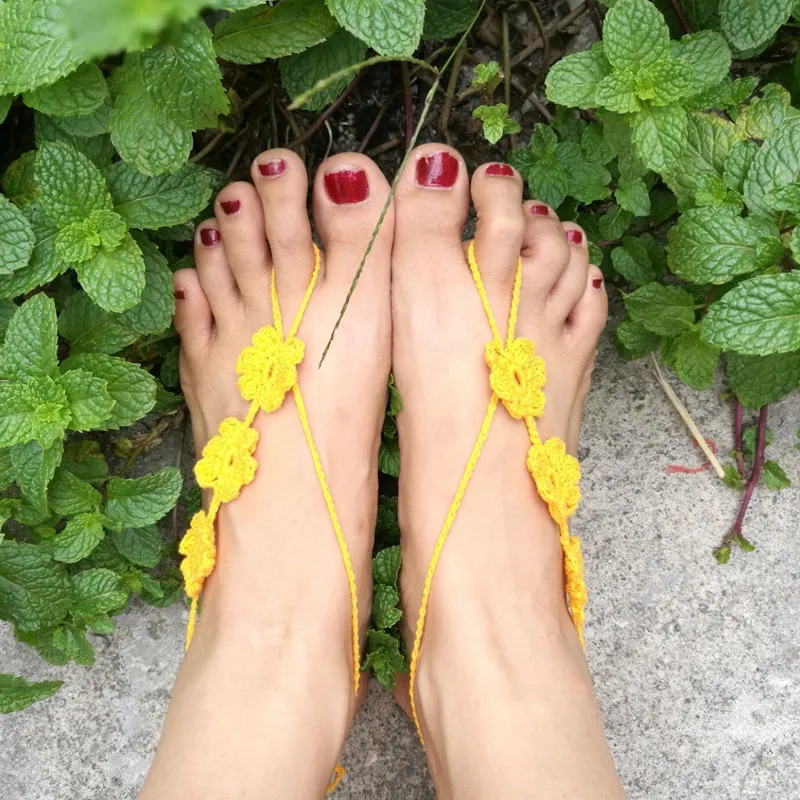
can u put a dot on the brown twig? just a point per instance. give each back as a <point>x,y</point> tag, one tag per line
<point>447,104</point>
<point>376,122</point>
<point>537,18</point>
<point>386,146</point>
<point>506,61</point>
<point>322,118</point>
<point>681,15</point>
<point>557,26</point>
<point>408,102</point>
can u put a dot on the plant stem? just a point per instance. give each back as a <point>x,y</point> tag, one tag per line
<point>758,462</point>
<point>320,120</point>
<point>506,61</point>
<point>681,14</point>
<point>557,26</point>
<point>447,105</point>
<point>376,122</point>
<point>408,102</point>
<point>737,438</point>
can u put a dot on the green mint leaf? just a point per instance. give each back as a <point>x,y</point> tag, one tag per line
<point>617,92</point>
<point>786,198</point>
<point>37,48</point>
<point>256,34</point>
<point>632,261</point>
<point>496,122</point>
<point>90,329</point>
<point>29,350</point>
<point>385,613</point>
<point>760,380</point>
<point>594,146</point>
<point>665,82</point>
<point>759,316</point>
<point>77,242</point>
<point>384,658</point>
<point>301,71</point>
<point>614,223</point>
<point>749,436</point>
<point>85,126</point>
<point>133,389</point>
<point>573,81</point>
<point>85,460</point>
<point>18,180</point>
<point>80,536</point>
<point>68,495</point>
<point>98,149</point>
<point>69,186</point>
<point>694,361</point>
<point>98,591</point>
<point>390,27</point>
<point>136,502</point>
<point>100,624</point>
<point>737,164</point>
<point>486,75</point>
<point>387,529</point>
<point>659,136</point>
<point>141,546</point>
<point>733,478</point>
<point>17,693</point>
<point>17,238</point>
<point>144,135</point>
<point>80,93</point>
<point>635,35</point>
<point>89,401</point>
<point>723,554</point>
<point>5,104</point>
<point>633,196</point>
<point>72,641</point>
<point>183,78</point>
<point>386,566</point>
<point>794,245</point>
<point>634,340</point>
<point>114,278</point>
<point>389,457</point>
<point>715,245</point>
<point>34,589</point>
<point>444,19</point>
<point>34,467</point>
<point>767,115</point>
<point>774,477</point>
<point>750,23</point>
<point>665,310</point>
<point>709,56</point>
<point>587,181</point>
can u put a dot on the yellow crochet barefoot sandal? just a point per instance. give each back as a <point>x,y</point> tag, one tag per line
<point>517,378</point>
<point>267,371</point>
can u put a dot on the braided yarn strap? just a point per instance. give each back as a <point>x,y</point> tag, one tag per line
<point>517,378</point>
<point>267,372</point>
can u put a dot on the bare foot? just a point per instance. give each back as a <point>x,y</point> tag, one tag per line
<point>503,692</point>
<point>273,649</point>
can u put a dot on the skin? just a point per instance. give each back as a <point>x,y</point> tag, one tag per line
<point>264,697</point>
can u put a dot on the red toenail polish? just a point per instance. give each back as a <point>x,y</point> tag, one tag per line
<point>180,294</point>
<point>500,170</point>
<point>437,171</point>
<point>597,283</point>
<point>347,186</point>
<point>209,237</point>
<point>230,206</point>
<point>574,237</point>
<point>539,210</point>
<point>271,169</point>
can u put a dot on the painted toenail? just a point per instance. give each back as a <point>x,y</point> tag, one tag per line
<point>230,206</point>
<point>437,171</point>
<point>597,283</point>
<point>539,210</point>
<point>347,186</point>
<point>500,170</point>
<point>180,294</point>
<point>271,169</point>
<point>574,237</point>
<point>209,237</point>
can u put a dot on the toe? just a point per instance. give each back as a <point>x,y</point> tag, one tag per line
<point>497,194</point>
<point>545,250</point>
<point>214,272</point>
<point>589,315</point>
<point>241,224</point>
<point>350,193</point>
<point>572,283</point>
<point>193,319</point>
<point>281,181</point>
<point>432,203</point>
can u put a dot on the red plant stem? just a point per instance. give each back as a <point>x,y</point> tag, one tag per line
<point>737,437</point>
<point>681,14</point>
<point>758,462</point>
<point>320,120</point>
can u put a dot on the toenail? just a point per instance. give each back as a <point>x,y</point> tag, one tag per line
<point>347,186</point>
<point>271,169</point>
<point>597,283</point>
<point>500,170</point>
<point>574,237</point>
<point>437,171</point>
<point>230,206</point>
<point>539,210</point>
<point>209,237</point>
<point>180,294</point>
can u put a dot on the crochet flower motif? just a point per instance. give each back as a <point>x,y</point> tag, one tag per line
<point>268,368</point>
<point>557,476</point>
<point>200,550</point>
<point>227,463</point>
<point>517,377</point>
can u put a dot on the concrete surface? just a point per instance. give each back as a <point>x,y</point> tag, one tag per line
<point>696,665</point>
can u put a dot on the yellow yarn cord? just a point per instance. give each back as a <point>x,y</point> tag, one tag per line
<point>338,774</point>
<point>517,378</point>
<point>267,372</point>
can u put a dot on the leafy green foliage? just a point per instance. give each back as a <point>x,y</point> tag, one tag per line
<point>17,693</point>
<point>496,122</point>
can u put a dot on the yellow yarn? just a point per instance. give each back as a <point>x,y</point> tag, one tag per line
<point>267,371</point>
<point>517,378</point>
